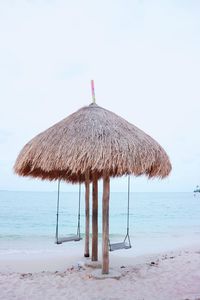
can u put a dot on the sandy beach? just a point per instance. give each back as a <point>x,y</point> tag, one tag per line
<point>172,274</point>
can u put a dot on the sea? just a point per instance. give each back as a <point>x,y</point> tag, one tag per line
<point>28,219</point>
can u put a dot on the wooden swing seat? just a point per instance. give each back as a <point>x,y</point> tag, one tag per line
<point>72,238</point>
<point>119,246</point>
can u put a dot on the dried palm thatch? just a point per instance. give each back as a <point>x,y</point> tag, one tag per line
<point>92,140</point>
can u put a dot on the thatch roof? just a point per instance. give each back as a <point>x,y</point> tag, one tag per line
<point>92,140</point>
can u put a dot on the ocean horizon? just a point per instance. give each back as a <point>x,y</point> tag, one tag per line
<point>28,219</point>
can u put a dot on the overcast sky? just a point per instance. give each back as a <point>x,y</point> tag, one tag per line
<point>143,55</point>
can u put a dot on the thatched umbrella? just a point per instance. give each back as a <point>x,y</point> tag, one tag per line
<point>93,143</point>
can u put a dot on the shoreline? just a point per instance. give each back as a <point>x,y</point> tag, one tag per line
<point>31,257</point>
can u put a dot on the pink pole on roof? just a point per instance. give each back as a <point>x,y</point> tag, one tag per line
<point>93,93</point>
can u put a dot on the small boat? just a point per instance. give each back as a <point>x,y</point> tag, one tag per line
<point>197,190</point>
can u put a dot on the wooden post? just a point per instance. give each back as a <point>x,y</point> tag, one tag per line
<point>105,224</point>
<point>95,218</point>
<point>87,216</point>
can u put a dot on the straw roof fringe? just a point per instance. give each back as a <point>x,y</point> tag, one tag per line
<point>92,139</point>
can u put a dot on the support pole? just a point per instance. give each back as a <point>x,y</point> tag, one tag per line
<point>105,224</point>
<point>57,215</point>
<point>95,218</point>
<point>87,216</point>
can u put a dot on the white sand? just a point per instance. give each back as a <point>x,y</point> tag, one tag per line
<point>170,275</point>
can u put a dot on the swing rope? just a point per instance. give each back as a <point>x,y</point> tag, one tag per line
<point>79,212</point>
<point>124,244</point>
<point>76,237</point>
<point>128,215</point>
<point>128,204</point>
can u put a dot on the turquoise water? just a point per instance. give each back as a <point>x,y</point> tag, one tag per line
<point>32,215</point>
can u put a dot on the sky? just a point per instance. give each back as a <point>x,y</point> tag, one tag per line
<point>143,56</point>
